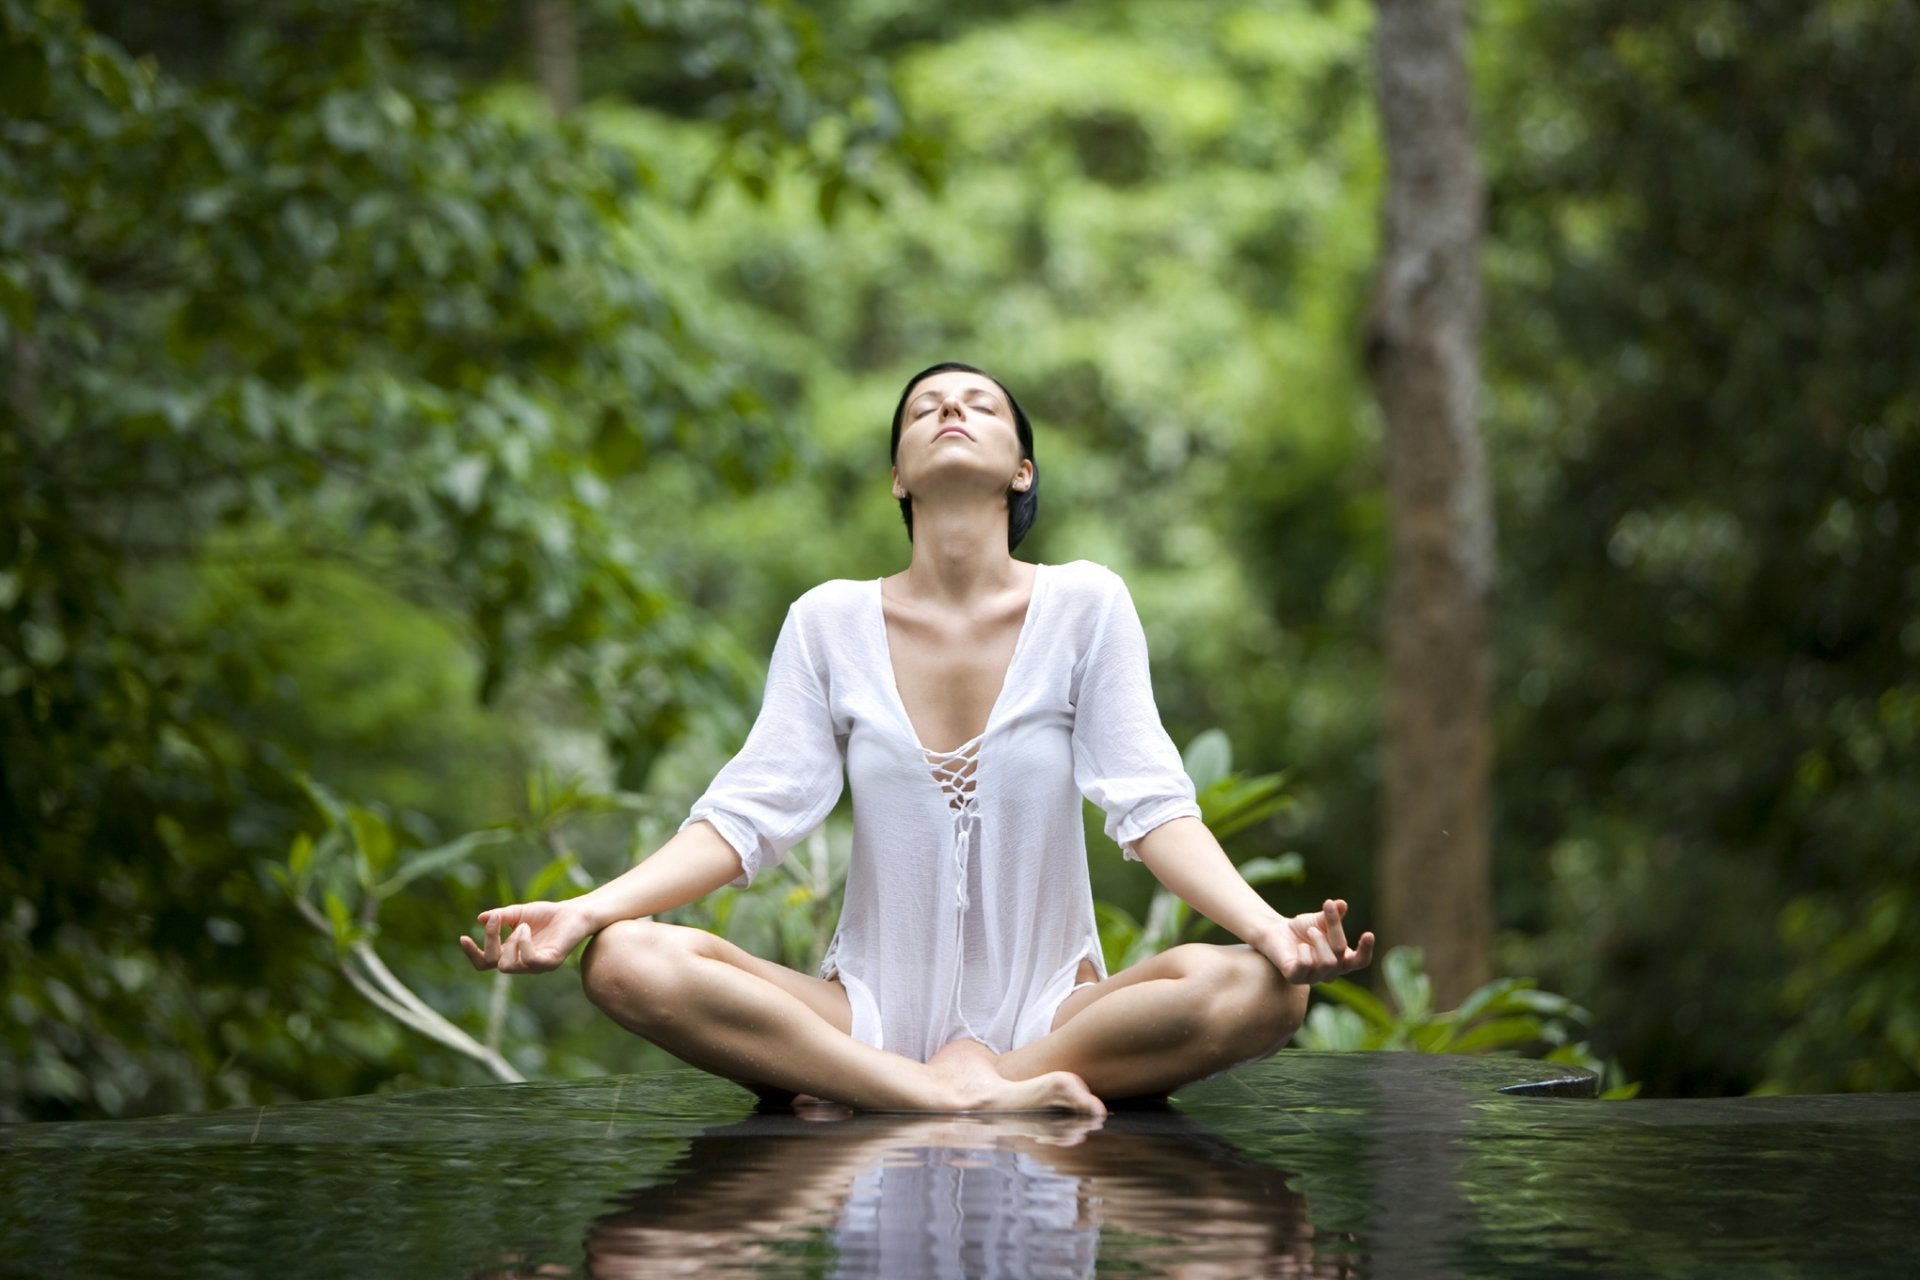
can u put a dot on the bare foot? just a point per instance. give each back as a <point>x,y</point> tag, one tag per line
<point>1054,1091</point>
<point>967,1067</point>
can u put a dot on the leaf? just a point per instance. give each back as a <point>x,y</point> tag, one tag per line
<point>339,917</point>
<point>1208,758</point>
<point>1499,1033</point>
<point>548,877</point>
<point>1288,868</point>
<point>300,857</point>
<point>1119,934</point>
<point>1483,1000</point>
<point>1360,1000</point>
<point>373,838</point>
<point>323,799</point>
<point>1335,1030</point>
<point>454,853</point>
<point>1166,919</point>
<point>1408,983</point>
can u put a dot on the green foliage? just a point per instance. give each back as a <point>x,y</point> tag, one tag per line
<point>788,914</point>
<point>1702,270</point>
<point>306,336</point>
<point>365,423</point>
<point>1506,1015</point>
<point>1229,803</point>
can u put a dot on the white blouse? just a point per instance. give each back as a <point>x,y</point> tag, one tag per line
<point>968,909</point>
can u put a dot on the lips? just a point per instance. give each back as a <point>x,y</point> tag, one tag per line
<point>950,430</point>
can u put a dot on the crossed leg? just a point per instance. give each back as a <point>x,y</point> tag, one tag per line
<point>1172,1019</point>
<point>714,1006</point>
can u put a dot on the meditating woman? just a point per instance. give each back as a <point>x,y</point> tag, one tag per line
<point>971,700</point>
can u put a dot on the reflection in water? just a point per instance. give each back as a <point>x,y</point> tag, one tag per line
<point>962,1196</point>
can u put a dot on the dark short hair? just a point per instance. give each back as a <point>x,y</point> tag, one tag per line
<point>1021,507</point>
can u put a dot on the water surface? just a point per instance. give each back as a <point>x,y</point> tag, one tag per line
<point>1306,1165</point>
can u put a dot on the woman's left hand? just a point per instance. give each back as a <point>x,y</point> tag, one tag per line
<point>1313,947</point>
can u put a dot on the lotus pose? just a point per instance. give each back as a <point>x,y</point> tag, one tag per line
<point>970,702</point>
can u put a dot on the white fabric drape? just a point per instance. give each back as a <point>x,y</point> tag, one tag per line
<point>968,908</point>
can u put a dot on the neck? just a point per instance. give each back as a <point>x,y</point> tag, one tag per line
<point>960,552</point>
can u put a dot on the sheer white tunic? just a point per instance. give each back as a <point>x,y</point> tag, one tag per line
<point>968,909</point>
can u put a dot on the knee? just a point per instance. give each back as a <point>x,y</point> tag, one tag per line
<point>1240,996</point>
<point>632,968</point>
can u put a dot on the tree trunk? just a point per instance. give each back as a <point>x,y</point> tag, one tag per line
<point>1434,870</point>
<point>555,36</point>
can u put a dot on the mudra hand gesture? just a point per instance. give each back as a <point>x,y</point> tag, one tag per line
<point>1312,947</point>
<point>540,936</point>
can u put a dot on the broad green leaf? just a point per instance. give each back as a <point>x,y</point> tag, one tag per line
<point>1119,934</point>
<point>1208,759</point>
<point>1408,983</point>
<point>550,877</point>
<point>1499,1033</point>
<point>1484,999</point>
<point>1360,1000</point>
<point>1332,1029</point>
<point>1288,868</point>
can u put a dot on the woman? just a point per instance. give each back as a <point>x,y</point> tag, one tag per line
<point>966,971</point>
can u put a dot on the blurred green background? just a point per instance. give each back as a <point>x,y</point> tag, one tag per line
<point>419,415</point>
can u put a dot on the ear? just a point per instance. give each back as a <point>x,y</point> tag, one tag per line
<point>899,490</point>
<point>1023,478</point>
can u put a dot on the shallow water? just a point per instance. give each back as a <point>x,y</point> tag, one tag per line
<point>1307,1165</point>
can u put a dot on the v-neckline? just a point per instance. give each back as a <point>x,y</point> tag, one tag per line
<point>1006,677</point>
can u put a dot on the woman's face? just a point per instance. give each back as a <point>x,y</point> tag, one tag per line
<point>957,431</point>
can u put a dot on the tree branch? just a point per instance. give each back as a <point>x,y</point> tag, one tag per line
<point>398,1001</point>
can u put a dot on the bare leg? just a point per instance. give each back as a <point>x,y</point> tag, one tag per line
<point>715,1007</point>
<point>1167,1021</point>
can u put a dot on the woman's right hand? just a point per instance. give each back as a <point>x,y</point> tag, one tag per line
<point>539,936</point>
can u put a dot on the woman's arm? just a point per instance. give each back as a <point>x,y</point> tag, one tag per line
<point>777,788</point>
<point>1184,856</point>
<point>541,935</point>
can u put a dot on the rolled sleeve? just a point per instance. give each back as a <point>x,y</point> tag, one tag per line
<point>787,777</point>
<point>1123,759</point>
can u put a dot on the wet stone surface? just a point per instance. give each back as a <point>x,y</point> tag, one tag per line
<point>1307,1165</point>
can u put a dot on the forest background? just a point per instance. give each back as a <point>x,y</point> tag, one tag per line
<point>402,482</point>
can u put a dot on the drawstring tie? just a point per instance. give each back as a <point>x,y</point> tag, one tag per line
<point>954,771</point>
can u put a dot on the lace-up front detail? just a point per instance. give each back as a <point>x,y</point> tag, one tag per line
<point>954,772</point>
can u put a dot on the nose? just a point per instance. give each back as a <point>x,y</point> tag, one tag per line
<point>951,407</point>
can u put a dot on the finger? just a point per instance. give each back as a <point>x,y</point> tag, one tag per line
<point>492,919</point>
<point>1364,952</point>
<point>474,953</point>
<point>1358,957</point>
<point>1336,932</point>
<point>520,940</point>
<point>1324,957</point>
